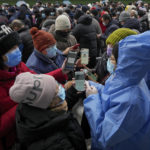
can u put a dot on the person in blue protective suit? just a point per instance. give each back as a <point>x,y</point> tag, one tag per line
<point>119,112</point>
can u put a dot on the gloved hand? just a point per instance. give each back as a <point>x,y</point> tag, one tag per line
<point>90,89</point>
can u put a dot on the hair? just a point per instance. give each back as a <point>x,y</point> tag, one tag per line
<point>113,14</point>
<point>115,51</point>
<point>106,17</point>
<point>78,14</point>
<point>60,11</point>
<point>94,12</point>
<point>67,10</point>
<point>141,13</point>
<point>2,66</point>
<point>39,2</point>
<point>17,23</point>
<point>47,11</point>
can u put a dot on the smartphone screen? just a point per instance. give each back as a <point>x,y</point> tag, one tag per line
<point>79,81</point>
<point>91,76</point>
<point>84,56</point>
<point>71,61</point>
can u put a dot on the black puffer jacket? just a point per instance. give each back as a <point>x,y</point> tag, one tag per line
<point>39,129</point>
<point>85,34</point>
<point>27,43</point>
<point>144,23</point>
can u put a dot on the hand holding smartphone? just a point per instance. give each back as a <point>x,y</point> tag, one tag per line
<point>90,89</point>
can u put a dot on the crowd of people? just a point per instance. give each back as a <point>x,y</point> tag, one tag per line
<point>38,93</point>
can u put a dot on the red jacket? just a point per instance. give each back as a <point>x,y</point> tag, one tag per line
<point>100,22</point>
<point>8,107</point>
<point>102,27</point>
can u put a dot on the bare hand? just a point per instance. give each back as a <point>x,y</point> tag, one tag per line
<point>78,63</point>
<point>98,35</point>
<point>63,67</point>
<point>66,51</point>
<point>90,89</point>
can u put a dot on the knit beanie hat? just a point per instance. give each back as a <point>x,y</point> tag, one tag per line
<point>35,90</point>
<point>118,35</point>
<point>41,39</point>
<point>8,39</point>
<point>124,16</point>
<point>62,23</point>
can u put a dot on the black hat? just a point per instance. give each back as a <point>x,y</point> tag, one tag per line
<point>8,39</point>
<point>12,9</point>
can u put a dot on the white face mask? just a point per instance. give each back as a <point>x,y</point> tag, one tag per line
<point>104,24</point>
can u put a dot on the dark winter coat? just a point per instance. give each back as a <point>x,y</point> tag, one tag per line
<point>132,23</point>
<point>27,43</point>
<point>144,23</point>
<point>39,129</point>
<point>85,34</point>
<point>97,26</point>
<point>8,107</point>
<point>42,64</point>
<point>109,29</point>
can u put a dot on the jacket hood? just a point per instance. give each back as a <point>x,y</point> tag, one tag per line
<point>132,23</point>
<point>85,19</point>
<point>144,18</point>
<point>34,123</point>
<point>133,61</point>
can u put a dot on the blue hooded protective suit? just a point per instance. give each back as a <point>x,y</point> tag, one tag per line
<point>119,115</point>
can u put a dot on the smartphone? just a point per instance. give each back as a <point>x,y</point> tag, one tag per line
<point>71,58</point>
<point>84,56</point>
<point>79,81</point>
<point>91,76</point>
<point>75,46</point>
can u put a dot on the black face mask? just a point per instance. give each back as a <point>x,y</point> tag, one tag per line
<point>62,33</point>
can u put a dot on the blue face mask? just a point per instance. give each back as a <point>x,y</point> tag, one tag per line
<point>110,66</point>
<point>52,13</point>
<point>43,15</point>
<point>13,58</point>
<point>61,94</point>
<point>51,52</point>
